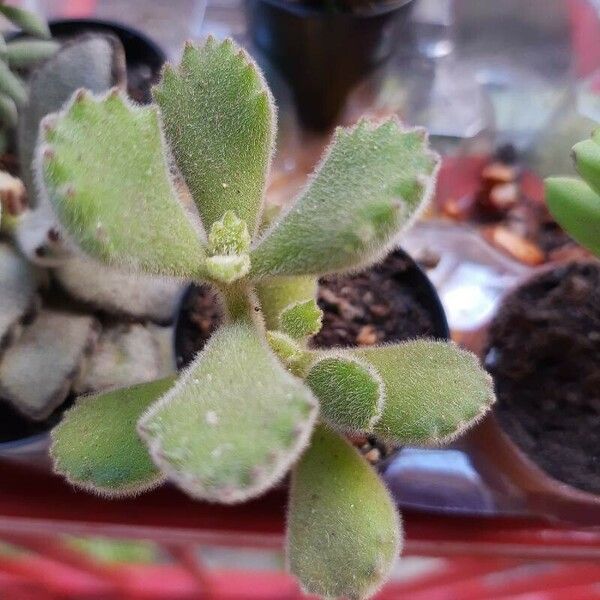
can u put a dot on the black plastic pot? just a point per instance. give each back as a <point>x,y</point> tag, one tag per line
<point>143,56</point>
<point>323,54</point>
<point>427,295</point>
<point>189,339</point>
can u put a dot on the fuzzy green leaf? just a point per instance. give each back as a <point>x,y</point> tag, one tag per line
<point>104,167</point>
<point>371,182</point>
<point>220,123</point>
<point>350,393</point>
<point>96,446</point>
<point>11,85</point>
<point>282,293</point>
<point>576,207</point>
<point>587,160</point>
<point>302,320</point>
<point>23,54</point>
<point>343,527</point>
<point>235,421</point>
<point>95,62</point>
<point>26,20</point>
<point>433,390</point>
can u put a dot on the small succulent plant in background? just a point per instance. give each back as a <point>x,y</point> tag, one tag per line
<point>575,203</point>
<point>257,402</point>
<point>19,55</point>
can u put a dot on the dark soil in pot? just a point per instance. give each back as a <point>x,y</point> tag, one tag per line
<point>390,302</point>
<point>544,352</point>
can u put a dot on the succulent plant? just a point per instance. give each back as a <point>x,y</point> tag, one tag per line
<point>91,60</point>
<point>575,203</point>
<point>20,54</point>
<point>94,61</point>
<point>257,401</point>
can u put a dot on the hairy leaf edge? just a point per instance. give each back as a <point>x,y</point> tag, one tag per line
<point>189,44</point>
<point>43,148</point>
<point>428,190</point>
<point>128,491</point>
<point>463,426</point>
<point>279,470</point>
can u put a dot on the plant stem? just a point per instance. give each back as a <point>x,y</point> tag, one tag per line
<point>240,302</point>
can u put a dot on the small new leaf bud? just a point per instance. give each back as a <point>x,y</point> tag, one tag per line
<point>228,243</point>
<point>302,319</point>
<point>229,236</point>
<point>228,267</point>
<point>284,346</point>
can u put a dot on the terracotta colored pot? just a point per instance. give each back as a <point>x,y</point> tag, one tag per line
<point>539,493</point>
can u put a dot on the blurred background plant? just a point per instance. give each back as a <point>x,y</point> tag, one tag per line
<point>18,54</point>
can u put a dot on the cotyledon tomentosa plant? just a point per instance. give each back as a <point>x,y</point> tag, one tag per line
<point>575,203</point>
<point>256,402</point>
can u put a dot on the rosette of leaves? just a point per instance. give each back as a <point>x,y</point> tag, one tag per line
<point>575,203</point>
<point>18,55</point>
<point>257,402</point>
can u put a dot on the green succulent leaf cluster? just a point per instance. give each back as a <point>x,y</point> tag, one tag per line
<point>18,55</point>
<point>575,203</point>
<point>177,188</point>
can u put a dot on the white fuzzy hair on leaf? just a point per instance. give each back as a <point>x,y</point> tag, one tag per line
<point>277,251</point>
